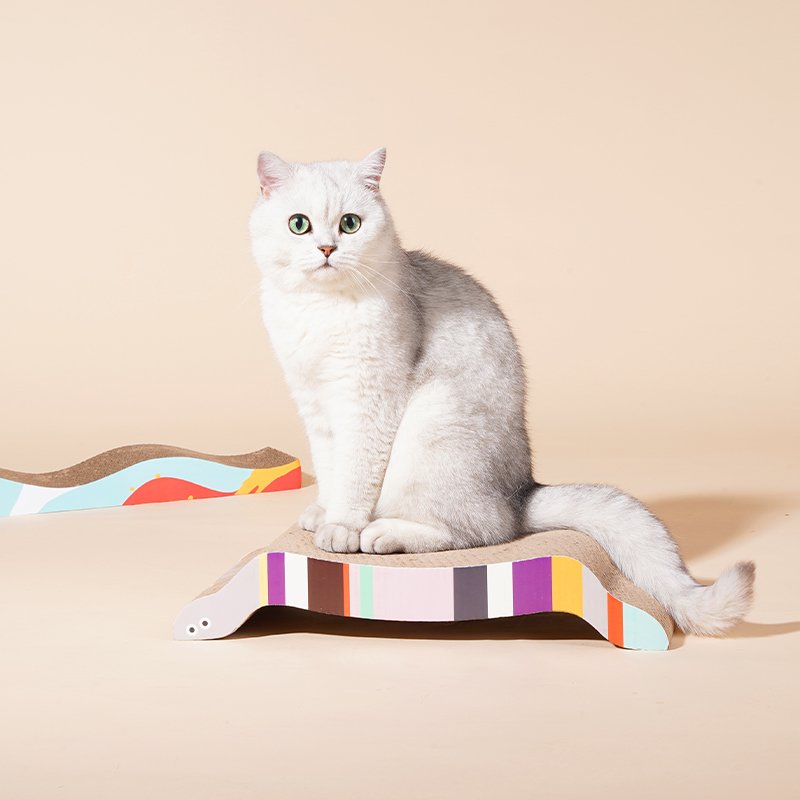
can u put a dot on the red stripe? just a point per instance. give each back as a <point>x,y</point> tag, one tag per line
<point>346,589</point>
<point>616,635</point>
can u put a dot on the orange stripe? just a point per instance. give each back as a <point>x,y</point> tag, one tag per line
<point>346,588</point>
<point>615,632</point>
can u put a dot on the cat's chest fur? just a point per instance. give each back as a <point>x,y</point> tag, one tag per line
<point>320,339</point>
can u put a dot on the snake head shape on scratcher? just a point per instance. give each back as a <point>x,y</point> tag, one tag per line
<point>411,386</point>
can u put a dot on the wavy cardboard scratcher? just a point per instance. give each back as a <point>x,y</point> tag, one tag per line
<point>146,473</point>
<point>552,571</point>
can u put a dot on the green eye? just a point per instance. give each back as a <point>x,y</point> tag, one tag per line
<point>299,224</point>
<point>350,223</point>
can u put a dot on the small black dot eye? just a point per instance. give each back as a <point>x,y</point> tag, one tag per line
<point>204,623</point>
<point>299,224</point>
<point>350,223</point>
<point>192,629</point>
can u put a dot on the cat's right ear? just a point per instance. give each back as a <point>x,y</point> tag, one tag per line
<point>272,171</point>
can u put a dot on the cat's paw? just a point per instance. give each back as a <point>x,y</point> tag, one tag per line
<point>312,517</point>
<point>336,538</point>
<point>381,537</point>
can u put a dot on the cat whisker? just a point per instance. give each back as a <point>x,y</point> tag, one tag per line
<point>361,278</point>
<point>365,278</point>
<point>355,279</point>
<point>380,275</point>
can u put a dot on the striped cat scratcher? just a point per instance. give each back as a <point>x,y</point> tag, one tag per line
<point>553,571</point>
<point>146,473</point>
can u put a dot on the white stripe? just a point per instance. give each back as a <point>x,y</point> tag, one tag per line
<point>595,602</point>
<point>296,571</point>
<point>32,499</point>
<point>500,590</point>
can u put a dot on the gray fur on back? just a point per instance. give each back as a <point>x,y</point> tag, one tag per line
<point>465,340</point>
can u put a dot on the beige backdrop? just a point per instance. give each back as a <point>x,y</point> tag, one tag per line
<point>624,177</point>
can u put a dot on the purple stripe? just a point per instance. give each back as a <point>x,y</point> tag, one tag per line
<point>533,585</point>
<point>276,579</point>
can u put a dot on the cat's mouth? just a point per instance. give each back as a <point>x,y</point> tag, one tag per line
<point>324,266</point>
<point>325,270</point>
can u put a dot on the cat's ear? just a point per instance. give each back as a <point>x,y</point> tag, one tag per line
<point>272,171</point>
<point>371,168</point>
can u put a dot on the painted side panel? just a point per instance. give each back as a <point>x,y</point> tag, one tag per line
<point>276,582</point>
<point>9,492</point>
<point>153,480</point>
<point>296,580</point>
<point>470,593</point>
<point>595,601</point>
<point>355,590</point>
<point>642,632</point>
<point>366,584</point>
<point>500,590</point>
<point>533,588</point>
<point>567,585</point>
<point>413,594</point>
<point>419,594</point>
<point>325,586</point>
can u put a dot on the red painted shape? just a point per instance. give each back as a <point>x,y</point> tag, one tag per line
<point>291,480</point>
<point>162,490</point>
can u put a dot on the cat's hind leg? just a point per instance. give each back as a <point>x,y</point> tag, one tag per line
<point>392,535</point>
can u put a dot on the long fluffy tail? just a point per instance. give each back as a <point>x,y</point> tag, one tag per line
<point>642,548</point>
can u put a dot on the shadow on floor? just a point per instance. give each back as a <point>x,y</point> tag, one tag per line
<point>758,630</point>
<point>701,523</point>
<point>267,621</point>
<point>554,626</point>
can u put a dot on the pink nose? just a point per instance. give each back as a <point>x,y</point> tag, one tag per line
<point>327,249</point>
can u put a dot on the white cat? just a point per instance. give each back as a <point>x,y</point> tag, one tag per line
<point>412,390</point>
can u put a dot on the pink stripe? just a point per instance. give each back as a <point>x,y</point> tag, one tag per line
<point>414,594</point>
<point>355,590</point>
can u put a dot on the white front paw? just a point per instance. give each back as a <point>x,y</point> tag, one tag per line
<point>312,517</point>
<point>336,538</point>
<point>381,537</point>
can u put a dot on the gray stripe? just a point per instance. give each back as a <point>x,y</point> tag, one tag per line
<point>469,593</point>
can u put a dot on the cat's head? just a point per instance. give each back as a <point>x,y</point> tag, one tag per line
<point>315,225</point>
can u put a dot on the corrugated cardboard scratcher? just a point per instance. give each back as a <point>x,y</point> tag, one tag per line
<point>146,473</point>
<point>542,572</point>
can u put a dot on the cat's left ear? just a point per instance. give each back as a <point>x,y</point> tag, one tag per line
<point>371,168</point>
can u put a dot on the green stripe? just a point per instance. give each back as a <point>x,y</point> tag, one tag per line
<point>365,575</point>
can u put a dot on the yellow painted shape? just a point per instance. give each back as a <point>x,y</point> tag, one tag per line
<point>567,585</point>
<point>259,479</point>
<point>263,597</point>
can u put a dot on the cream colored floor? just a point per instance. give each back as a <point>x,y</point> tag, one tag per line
<point>97,701</point>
